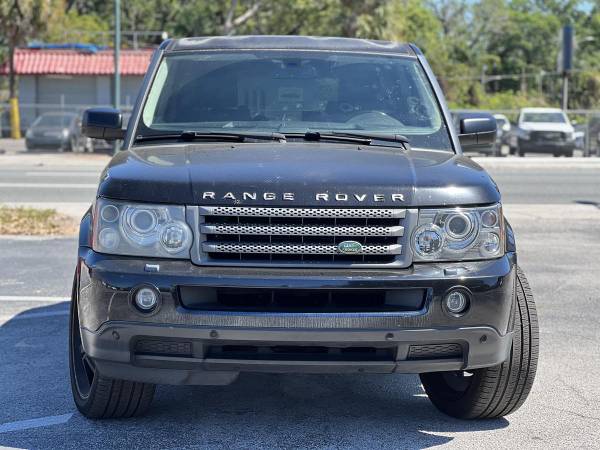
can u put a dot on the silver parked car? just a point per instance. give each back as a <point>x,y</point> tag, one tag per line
<point>59,131</point>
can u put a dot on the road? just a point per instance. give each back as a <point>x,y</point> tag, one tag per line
<point>553,206</point>
<point>46,179</point>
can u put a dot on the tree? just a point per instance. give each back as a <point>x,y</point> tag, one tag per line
<point>68,26</point>
<point>19,19</point>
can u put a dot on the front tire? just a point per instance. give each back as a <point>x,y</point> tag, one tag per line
<point>497,391</point>
<point>96,396</point>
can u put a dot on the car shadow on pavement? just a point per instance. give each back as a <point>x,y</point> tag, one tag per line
<point>588,202</point>
<point>258,410</point>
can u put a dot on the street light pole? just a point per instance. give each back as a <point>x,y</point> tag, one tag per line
<point>117,52</point>
<point>565,91</point>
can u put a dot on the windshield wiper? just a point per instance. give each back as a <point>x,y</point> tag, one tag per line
<point>212,136</point>
<point>355,138</point>
<point>386,137</point>
<point>317,136</point>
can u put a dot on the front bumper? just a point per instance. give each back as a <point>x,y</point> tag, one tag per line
<point>184,340</point>
<point>48,142</point>
<point>537,146</point>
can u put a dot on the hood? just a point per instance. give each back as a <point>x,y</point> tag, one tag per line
<point>295,174</point>
<point>547,126</point>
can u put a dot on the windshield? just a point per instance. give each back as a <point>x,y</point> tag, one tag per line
<point>545,117</point>
<point>294,92</point>
<point>54,120</point>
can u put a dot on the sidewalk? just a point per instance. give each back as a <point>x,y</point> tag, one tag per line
<point>13,154</point>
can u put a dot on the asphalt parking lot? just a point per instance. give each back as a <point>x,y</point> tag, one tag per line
<point>553,205</point>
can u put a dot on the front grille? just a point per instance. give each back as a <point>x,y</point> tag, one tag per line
<point>547,135</point>
<point>318,301</point>
<point>300,236</point>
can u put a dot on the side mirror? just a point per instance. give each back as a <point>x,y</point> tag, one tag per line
<point>102,123</point>
<point>477,130</point>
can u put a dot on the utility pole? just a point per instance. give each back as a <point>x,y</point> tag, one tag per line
<point>117,52</point>
<point>567,63</point>
<point>565,91</point>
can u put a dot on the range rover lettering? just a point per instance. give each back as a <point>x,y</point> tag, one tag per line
<point>296,205</point>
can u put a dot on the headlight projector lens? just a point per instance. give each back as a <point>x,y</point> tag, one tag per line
<point>143,221</point>
<point>458,226</point>
<point>456,302</point>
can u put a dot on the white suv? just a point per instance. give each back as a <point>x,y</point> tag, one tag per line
<point>543,130</point>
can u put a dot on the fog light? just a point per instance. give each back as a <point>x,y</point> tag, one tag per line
<point>456,302</point>
<point>146,299</point>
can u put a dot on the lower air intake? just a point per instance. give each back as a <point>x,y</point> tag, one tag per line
<point>434,351</point>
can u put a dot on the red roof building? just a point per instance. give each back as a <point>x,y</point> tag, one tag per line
<point>72,62</point>
<point>52,80</point>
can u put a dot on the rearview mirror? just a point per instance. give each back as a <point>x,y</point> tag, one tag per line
<point>477,130</point>
<point>103,123</point>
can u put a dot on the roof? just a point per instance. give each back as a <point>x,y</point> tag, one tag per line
<point>71,62</point>
<point>288,43</point>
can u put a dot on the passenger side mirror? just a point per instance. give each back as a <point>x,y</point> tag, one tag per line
<point>476,130</point>
<point>103,123</point>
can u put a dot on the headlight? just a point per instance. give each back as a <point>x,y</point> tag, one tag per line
<point>141,230</point>
<point>524,134</point>
<point>65,133</point>
<point>459,234</point>
<point>569,135</point>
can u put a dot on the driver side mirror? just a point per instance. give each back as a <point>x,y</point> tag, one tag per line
<point>103,123</point>
<point>476,130</point>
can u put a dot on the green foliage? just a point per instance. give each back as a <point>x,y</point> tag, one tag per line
<point>69,26</point>
<point>486,53</point>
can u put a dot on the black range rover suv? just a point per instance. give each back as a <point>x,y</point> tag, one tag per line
<point>297,204</point>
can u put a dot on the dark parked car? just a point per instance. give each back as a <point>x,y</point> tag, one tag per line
<point>297,205</point>
<point>59,131</point>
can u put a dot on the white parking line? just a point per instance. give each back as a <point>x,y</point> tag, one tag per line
<point>39,315</point>
<point>33,298</point>
<point>50,185</point>
<point>34,423</point>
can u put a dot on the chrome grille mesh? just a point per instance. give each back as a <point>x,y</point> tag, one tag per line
<point>308,230</point>
<point>342,213</point>
<point>299,249</point>
<point>300,236</point>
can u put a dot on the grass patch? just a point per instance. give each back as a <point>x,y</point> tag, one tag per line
<point>33,221</point>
